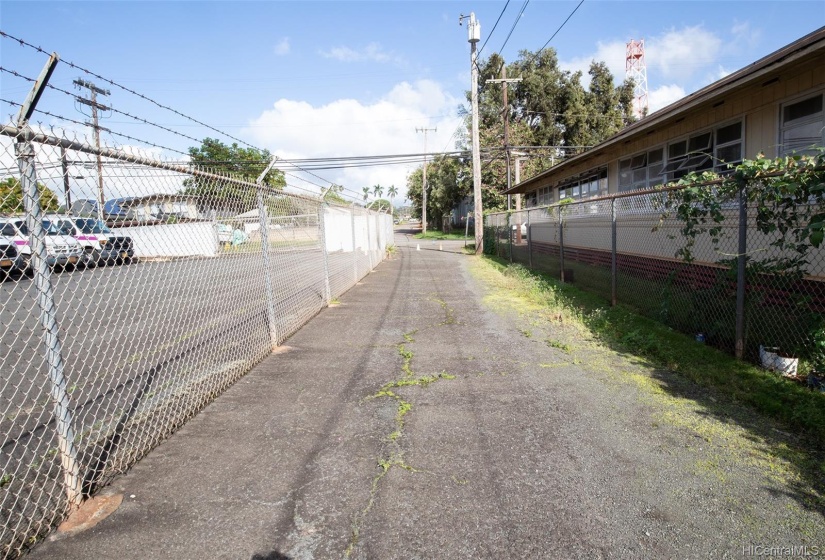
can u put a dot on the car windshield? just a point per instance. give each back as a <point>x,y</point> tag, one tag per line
<point>57,228</point>
<point>92,226</point>
<point>21,225</point>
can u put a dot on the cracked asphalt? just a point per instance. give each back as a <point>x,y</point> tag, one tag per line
<point>509,448</point>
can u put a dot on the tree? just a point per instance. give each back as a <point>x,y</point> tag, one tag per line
<point>378,191</point>
<point>549,107</point>
<point>245,164</point>
<point>11,197</point>
<point>448,180</point>
<point>392,192</point>
<point>366,191</point>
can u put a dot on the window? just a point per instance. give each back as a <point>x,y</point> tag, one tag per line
<point>728,147</point>
<point>641,171</point>
<point>585,186</point>
<point>802,126</point>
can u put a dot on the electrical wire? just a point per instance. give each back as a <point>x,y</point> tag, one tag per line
<point>493,29</point>
<point>515,23</point>
<point>126,89</point>
<point>559,29</point>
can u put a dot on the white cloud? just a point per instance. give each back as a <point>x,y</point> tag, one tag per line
<point>664,96</point>
<point>372,52</point>
<point>282,47</point>
<point>680,54</point>
<point>744,36</point>
<point>611,53</point>
<point>347,127</point>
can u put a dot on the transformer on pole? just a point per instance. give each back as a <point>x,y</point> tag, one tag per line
<point>636,69</point>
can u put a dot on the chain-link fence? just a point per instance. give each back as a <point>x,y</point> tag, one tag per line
<point>645,251</point>
<point>123,316</point>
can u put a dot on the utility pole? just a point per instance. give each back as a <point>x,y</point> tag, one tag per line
<point>93,92</point>
<point>424,180</point>
<point>505,81</point>
<point>473,37</point>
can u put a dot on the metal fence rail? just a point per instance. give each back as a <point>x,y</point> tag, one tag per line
<point>120,323</point>
<point>629,250</point>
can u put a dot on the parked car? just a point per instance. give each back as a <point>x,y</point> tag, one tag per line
<point>10,259</point>
<point>100,244</point>
<point>61,250</point>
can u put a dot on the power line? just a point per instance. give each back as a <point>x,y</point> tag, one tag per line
<point>494,28</point>
<point>126,89</point>
<point>559,29</point>
<point>515,23</point>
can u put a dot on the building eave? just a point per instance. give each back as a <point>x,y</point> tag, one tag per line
<point>744,77</point>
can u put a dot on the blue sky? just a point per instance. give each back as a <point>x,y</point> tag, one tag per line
<point>324,79</point>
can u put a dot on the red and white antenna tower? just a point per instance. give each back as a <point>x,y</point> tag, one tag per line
<point>636,70</point>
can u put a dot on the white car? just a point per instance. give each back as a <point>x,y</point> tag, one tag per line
<point>99,243</point>
<point>61,250</point>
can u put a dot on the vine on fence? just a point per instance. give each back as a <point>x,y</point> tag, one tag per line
<point>788,196</point>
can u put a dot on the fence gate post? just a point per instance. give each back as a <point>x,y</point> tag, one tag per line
<point>561,242</point>
<point>613,271</point>
<point>270,296</point>
<point>48,320</point>
<point>741,280</point>
<point>323,233</point>
<point>529,241</point>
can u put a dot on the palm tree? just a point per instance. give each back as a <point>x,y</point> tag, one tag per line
<point>378,190</point>
<point>392,192</point>
<point>366,193</point>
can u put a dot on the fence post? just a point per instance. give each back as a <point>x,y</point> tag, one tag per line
<point>369,238</point>
<point>270,296</point>
<point>741,260</point>
<point>323,233</point>
<point>613,268</point>
<point>48,320</point>
<point>529,241</point>
<point>24,149</point>
<point>354,252</point>
<point>510,235</point>
<point>561,242</point>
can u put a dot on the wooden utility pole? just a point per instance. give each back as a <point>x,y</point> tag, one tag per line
<point>506,114</point>
<point>424,180</point>
<point>94,91</point>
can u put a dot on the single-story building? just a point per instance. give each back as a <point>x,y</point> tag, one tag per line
<point>774,106</point>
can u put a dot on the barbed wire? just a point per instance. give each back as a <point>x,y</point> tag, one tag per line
<point>126,89</point>
<point>113,133</point>
<point>126,114</point>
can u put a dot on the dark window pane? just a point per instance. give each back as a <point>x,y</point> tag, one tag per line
<point>677,149</point>
<point>655,156</point>
<point>638,161</point>
<point>699,143</point>
<point>729,154</point>
<point>695,162</point>
<point>802,109</point>
<point>729,133</point>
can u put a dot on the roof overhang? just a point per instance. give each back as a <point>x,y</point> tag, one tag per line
<point>806,46</point>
